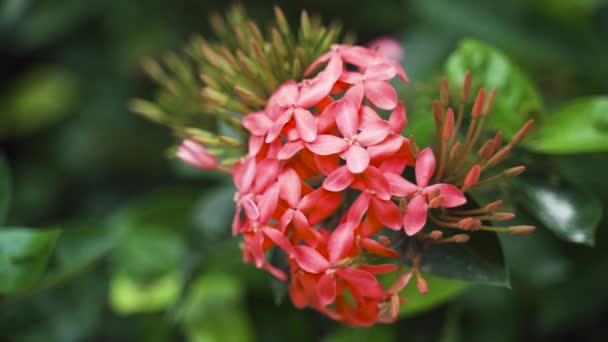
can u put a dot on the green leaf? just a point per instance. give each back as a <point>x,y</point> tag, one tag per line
<point>147,273</point>
<point>214,211</point>
<point>517,98</point>
<point>77,249</point>
<point>24,254</point>
<point>377,333</point>
<point>170,207</point>
<point>579,126</point>
<point>570,212</point>
<point>40,98</point>
<point>66,313</point>
<point>213,311</point>
<point>5,189</point>
<point>480,260</point>
<point>128,296</point>
<point>440,291</point>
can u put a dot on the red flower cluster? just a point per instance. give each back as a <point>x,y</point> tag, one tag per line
<point>323,178</point>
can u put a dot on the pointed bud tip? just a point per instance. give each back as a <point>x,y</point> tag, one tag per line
<point>477,107</point>
<point>461,238</point>
<point>518,230</point>
<point>436,234</point>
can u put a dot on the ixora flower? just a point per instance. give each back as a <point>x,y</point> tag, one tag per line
<point>318,143</point>
<point>322,176</point>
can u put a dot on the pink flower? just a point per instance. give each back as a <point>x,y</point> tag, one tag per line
<point>355,137</point>
<point>416,213</point>
<point>196,155</point>
<point>388,47</point>
<point>373,83</point>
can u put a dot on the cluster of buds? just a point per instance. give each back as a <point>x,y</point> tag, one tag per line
<point>323,182</point>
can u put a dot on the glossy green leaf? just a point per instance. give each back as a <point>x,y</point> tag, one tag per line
<point>77,249</point>
<point>480,260</point>
<point>24,254</point>
<point>5,189</point>
<point>570,212</point>
<point>441,290</point>
<point>579,126</point>
<point>517,98</point>
<point>212,311</point>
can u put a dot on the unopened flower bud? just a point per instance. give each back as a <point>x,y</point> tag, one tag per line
<point>461,238</point>
<point>489,105</point>
<point>436,202</point>
<point>521,134</point>
<point>487,150</point>
<point>448,125</point>
<point>521,229</point>
<point>196,155</point>
<point>384,240</point>
<point>477,107</point>
<point>388,47</point>
<point>472,177</point>
<point>491,207</point>
<point>502,216</point>
<point>422,286</point>
<point>437,113</point>
<point>436,234</point>
<point>515,171</point>
<point>466,87</point>
<point>469,223</point>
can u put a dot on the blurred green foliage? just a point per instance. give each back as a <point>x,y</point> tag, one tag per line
<point>139,248</point>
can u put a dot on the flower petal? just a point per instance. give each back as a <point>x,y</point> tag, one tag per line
<point>268,203</point>
<point>305,124</point>
<point>365,283</point>
<point>373,132</point>
<point>347,117</point>
<point>279,240</point>
<point>310,260</point>
<point>251,209</point>
<point>388,213</point>
<point>358,209</point>
<point>266,172</point>
<point>290,186</point>
<point>381,94</point>
<point>290,149</point>
<point>357,159</point>
<point>338,180</point>
<point>398,119</point>
<point>326,289</point>
<point>327,144</point>
<point>415,216</point>
<point>400,186</point>
<point>387,148</point>
<point>452,196</point>
<point>355,94</point>
<point>425,167</point>
<point>340,243</point>
<point>377,248</point>
<point>257,123</point>
<point>375,180</point>
<point>380,71</point>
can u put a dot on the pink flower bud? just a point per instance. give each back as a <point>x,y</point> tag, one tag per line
<point>196,155</point>
<point>388,47</point>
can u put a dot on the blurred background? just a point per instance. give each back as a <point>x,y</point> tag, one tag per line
<point>140,226</point>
